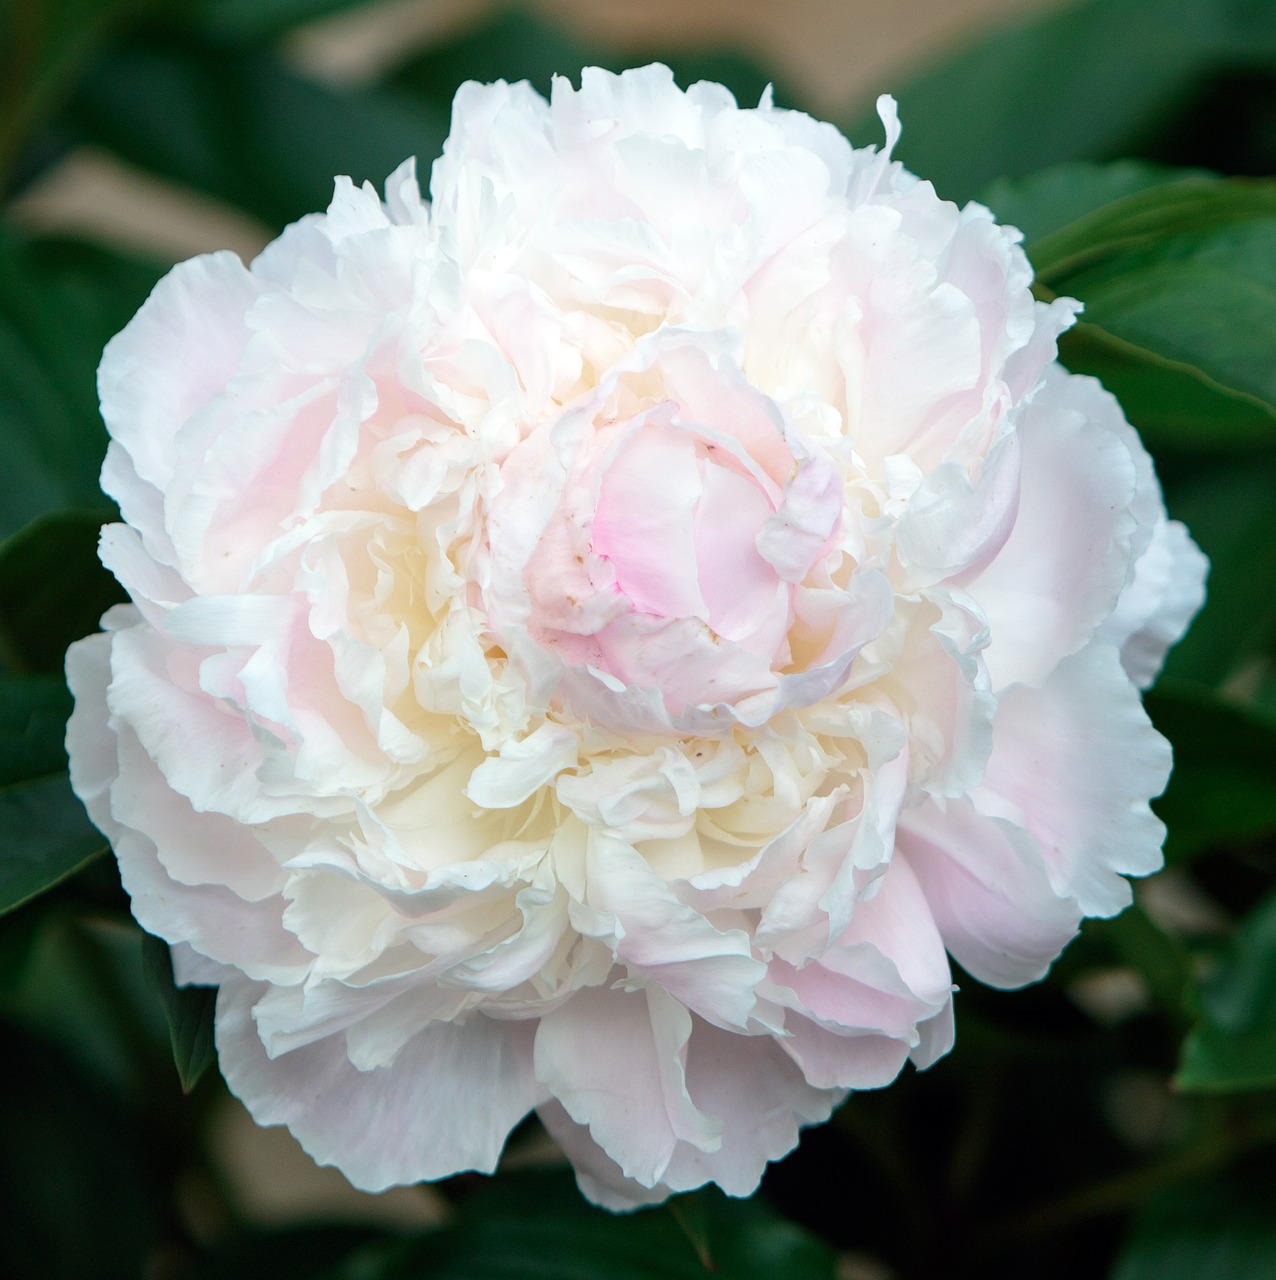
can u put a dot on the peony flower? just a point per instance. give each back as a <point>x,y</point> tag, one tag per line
<point>601,641</point>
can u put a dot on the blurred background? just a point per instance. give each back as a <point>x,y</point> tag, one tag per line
<point>1117,1120</point>
<point>841,52</point>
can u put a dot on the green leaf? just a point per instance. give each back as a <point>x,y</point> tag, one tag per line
<point>59,304</point>
<point>1233,1049</point>
<point>1046,203</point>
<point>187,1010</point>
<point>1177,273</point>
<point>1173,405</point>
<point>1230,511</point>
<point>1087,81</point>
<point>1216,1230</point>
<point>1205,299</point>
<point>53,589</point>
<point>33,714</point>
<point>83,986</point>
<point>239,125</point>
<point>45,837</point>
<point>1188,203</point>
<point>1223,788</point>
<point>1081,84</point>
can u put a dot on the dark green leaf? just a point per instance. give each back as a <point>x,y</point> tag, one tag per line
<point>1205,299</point>
<point>188,1012</point>
<point>1234,1047</point>
<point>1218,1230</point>
<point>45,836</point>
<point>1173,405</point>
<point>1177,272</point>
<point>83,986</point>
<point>692,1215</point>
<point>1230,512</point>
<point>33,713</point>
<point>53,590</point>
<point>1081,84</point>
<point>1223,787</point>
<point>1088,81</point>
<point>241,126</point>
<point>59,304</point>
<point>1148,218</point>
<point>1046,203</point>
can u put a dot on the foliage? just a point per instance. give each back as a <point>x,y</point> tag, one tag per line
<point>1138,1143</point>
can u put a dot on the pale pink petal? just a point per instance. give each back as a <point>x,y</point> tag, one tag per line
<point>465,1085</point>
<point>628,1087</point>
<point>1065,563</point>
<point>1167,590</point>
<point>175,355</point>
<point>987,887</point>
<point>1075,763</point>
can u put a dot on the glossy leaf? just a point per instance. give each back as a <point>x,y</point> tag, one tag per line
<point>1205,299</point>
<point>1044,204</point>
<point>188,1012</point>
<point>1233,1049</point>
<point>1176,272</point>
<point>1147,218</point>
<point>1174,405</point>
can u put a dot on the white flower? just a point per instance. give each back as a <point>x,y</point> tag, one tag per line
<point>599,642</point>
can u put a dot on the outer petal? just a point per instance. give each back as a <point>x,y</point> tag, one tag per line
<point>756,1092</point>
<point>1164,595</point>
<point>446,1104</point>
<point>988,889</point>
<point>174,356</point>
<point>213,919</point>
<point>1075,763</point>
<point>627,1085</point>
<point>1068,557</point>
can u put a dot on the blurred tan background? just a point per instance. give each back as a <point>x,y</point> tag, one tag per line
<point>840,51</point>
